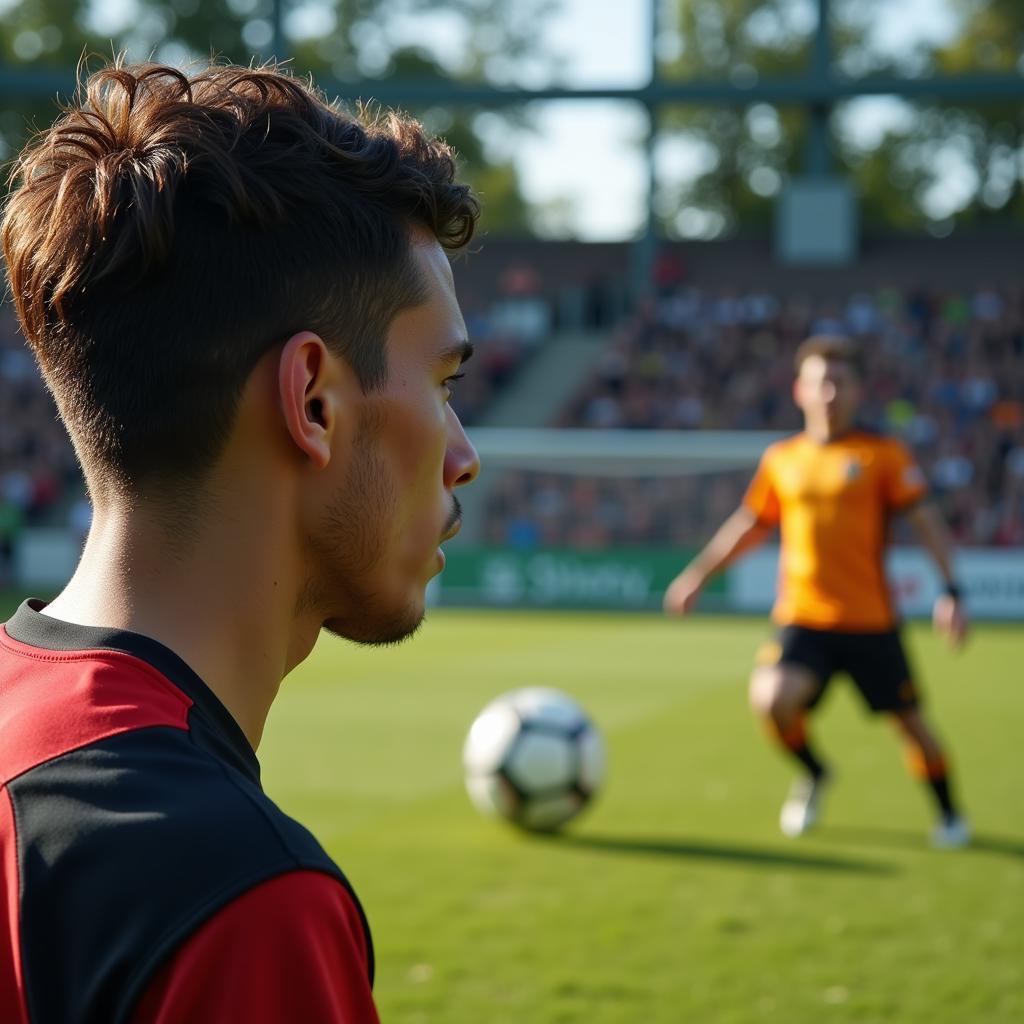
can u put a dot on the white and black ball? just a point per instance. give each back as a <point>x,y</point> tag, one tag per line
<point>533,757</point>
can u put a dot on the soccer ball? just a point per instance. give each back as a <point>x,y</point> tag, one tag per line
<point>533,756</point>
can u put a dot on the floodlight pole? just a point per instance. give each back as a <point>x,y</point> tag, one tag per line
<point>278,43</point>
<point>818,157</point>
<point>645,250</point>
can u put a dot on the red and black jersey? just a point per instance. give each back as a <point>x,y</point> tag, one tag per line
<point>144,874</point>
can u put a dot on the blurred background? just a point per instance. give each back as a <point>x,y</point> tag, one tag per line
<point>676,193</point>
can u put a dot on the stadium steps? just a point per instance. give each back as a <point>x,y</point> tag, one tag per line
<point>532,399</point>
<point>544,385</point>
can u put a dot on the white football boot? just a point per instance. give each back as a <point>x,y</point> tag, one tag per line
<point>803,805</point>
<point>951,834</point>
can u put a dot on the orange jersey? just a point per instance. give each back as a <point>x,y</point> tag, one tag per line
<point>832,503</point>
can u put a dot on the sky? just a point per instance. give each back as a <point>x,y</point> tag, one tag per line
<point>580,154</point>
<point>582,163</point>
<point>606,44</point>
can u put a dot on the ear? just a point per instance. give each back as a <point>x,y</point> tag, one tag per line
<point>309,389</point>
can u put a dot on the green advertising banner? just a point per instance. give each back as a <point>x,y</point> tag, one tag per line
<point>561,578</point>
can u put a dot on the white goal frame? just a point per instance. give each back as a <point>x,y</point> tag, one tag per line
<point>620,453</point>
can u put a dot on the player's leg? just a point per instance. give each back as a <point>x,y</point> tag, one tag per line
<point>927,762</point>
<point>789,680</point>
<point>880,669</point>
<point>781,697</point>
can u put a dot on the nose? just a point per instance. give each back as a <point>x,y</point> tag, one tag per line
<point>461,462</point>
<point>829,391</point>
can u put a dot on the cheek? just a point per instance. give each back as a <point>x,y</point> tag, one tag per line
<point>418,444</point>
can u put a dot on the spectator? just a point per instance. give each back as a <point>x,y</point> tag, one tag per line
<point>945,372</point>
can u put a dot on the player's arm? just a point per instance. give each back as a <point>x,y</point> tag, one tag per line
<point>289,949</point>
<point>742,531</point>
<point>948,614</point>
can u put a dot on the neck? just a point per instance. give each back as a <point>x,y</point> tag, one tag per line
<point>824,432</point>
<point>229,615</point>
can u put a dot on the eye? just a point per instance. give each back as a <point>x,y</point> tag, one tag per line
<point>449,381</point>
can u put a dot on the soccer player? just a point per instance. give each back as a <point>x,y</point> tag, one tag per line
<point>241,300</point>
<point>832,490</point>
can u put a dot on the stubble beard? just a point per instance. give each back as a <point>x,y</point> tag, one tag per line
<point>348,550</point>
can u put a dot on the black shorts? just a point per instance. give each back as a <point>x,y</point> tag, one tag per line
<point>876,662</point>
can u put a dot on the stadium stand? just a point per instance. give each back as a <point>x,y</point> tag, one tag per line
<point>41,484</point>
<point>945,371</point>
<point>38,472</point>
<point>499,357</point>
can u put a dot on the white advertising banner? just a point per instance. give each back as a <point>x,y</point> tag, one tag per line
<point>992,580</point>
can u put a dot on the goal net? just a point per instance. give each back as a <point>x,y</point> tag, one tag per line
<point>600,488</point>
<point>592,518</point>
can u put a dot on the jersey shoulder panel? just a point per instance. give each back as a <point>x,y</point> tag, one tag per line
<point>884,445</point>
<point>13,1009</point>
<point>785,447</point>
<point>55,701</point>
<point>297,952</point>
<point>164,835</point>
<point>894,447</point>
<point>904,482</point>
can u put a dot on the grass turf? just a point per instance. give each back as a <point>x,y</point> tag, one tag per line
<point>674,899</point>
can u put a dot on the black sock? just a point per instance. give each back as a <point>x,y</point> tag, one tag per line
<point>806,757</point>
<point>794,739</point>
<point>940,787</point>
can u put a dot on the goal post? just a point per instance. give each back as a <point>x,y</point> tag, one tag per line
<point>618,453</point>
<point>592,518</point>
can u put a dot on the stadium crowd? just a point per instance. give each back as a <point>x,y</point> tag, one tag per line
<point>41,484</point>
<point>943,371</point>
<point>39,477</point>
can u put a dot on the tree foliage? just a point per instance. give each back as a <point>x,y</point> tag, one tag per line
<point>343,40</point>
<point>721,166</point>
<point>937,162</point>
<point>741,154</point>
<point>979,145</point>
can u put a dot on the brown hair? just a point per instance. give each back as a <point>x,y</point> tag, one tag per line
<point>830,346</point>
<point>167,231</point>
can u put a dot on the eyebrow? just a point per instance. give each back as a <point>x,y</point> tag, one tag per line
<point>463,351</point>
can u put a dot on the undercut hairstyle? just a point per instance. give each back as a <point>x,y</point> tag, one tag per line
<point>833,347</point>
<point>169,230</point>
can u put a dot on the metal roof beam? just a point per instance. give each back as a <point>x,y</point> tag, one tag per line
<point>808,89</point>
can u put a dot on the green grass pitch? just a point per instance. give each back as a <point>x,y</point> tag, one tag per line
<point>674,899</point>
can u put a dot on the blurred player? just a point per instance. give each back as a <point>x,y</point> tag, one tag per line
<point>241,300</point>
<point>832,490</point>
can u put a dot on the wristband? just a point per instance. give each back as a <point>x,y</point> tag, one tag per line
<point>952,590</point>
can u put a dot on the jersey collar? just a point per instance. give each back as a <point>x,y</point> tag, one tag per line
<point>223,734</point>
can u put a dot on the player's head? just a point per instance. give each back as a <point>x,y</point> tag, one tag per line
<point>828,384</point>
<point>226,280</point>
